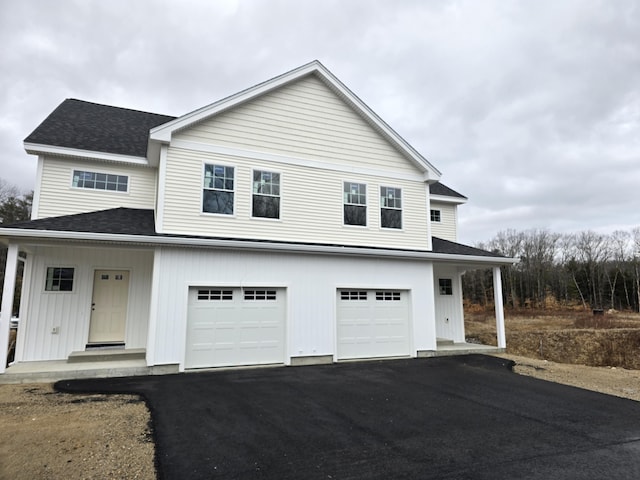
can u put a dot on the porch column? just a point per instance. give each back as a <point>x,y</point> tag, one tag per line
<point>497,299</point>
<point>6,306</point>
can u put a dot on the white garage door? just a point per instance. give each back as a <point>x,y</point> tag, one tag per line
<point>235,326</point>
<point>373,323</point>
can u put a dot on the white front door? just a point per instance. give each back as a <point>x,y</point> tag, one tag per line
<point>109,306</point>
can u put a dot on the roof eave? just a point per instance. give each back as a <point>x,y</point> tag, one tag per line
<point>17,234</point>
<point>40,149</point>
<point>447,199</point>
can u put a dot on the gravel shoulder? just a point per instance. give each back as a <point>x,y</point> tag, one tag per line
<point>51,435</point>
<point>610,380</point>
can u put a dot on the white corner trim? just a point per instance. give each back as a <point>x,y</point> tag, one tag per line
<point>35,149</point>
<point>161,190</point>
<point>35,205</point>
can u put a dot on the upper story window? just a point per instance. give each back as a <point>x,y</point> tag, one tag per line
<point>355,203</point>
<point>218,189</point>
<point>390,207</point>
<point>100,181</point>
<point>59,279</point>
<point>436,216</point>
<point>266,194</point>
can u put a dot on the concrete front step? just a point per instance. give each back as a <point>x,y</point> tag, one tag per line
<point>107,355</point>
<point>443,341</point>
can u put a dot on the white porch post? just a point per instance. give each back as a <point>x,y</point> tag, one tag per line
<point>6,306</point>
<point>153,309</point>
<point>430,342</point>
<point>497,299</point>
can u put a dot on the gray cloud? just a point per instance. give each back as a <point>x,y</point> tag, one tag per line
<point>531,109</point>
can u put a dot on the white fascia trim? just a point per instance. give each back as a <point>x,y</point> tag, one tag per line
<point>19,233</point>
<point>432,173</point>
<point>445,199</point>
<point>36,149</point>
<point>163,133</point>
<point>284,159</point>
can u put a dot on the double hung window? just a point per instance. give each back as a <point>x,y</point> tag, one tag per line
<point>218,189</point>
<point>390,207</point>
<point>266,194</point>
<point>355,204</point>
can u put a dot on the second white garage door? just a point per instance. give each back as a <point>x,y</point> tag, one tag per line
<point>373,323</point>
<point>235,326</point>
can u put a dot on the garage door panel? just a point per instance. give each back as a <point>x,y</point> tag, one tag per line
<point>372,323</point>
<point>227,327</point>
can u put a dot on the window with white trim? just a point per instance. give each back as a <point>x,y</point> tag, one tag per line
<point>355,204</point>
<point>100,181</point>
<point>218,189</point>
<point>436,216</point>
<point>266,194</point>
<point>390,207</point>
<point>446,286</point>
<point>59,279</point>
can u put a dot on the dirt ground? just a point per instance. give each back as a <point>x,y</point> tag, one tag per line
<point>50,435</point>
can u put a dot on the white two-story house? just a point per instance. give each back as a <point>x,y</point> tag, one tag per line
<point>286,224</point>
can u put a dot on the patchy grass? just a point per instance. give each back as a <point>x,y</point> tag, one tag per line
<point>578,337</point>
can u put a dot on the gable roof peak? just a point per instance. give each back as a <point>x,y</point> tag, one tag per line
<point>163,133</point>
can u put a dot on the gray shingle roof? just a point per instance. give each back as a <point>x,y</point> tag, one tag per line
<point>440,245</point>
<point>119,221</point>
<point>132,221</point>
<point>441,189</point>
<point>99,128</point>
<point>103,128</point>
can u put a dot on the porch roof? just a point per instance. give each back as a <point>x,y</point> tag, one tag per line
<point>129,225</point>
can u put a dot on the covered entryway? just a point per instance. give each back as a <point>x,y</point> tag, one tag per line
<point>372,323</point>
<point>235,326</point>
<point>109,307</point>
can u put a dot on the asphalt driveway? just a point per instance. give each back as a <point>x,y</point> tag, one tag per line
<point>465,417</point>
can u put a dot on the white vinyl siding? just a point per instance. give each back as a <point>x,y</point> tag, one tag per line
<point>59,197</point>
<point>70,312</point>
<point>303,197</point>
<point>310,281</point>
<point>303,120</point>
<point>446,228</point>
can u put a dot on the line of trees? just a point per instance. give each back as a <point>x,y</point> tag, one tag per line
<point>588,269</point>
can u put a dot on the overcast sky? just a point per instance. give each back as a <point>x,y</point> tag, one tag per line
<point>529,108</point>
